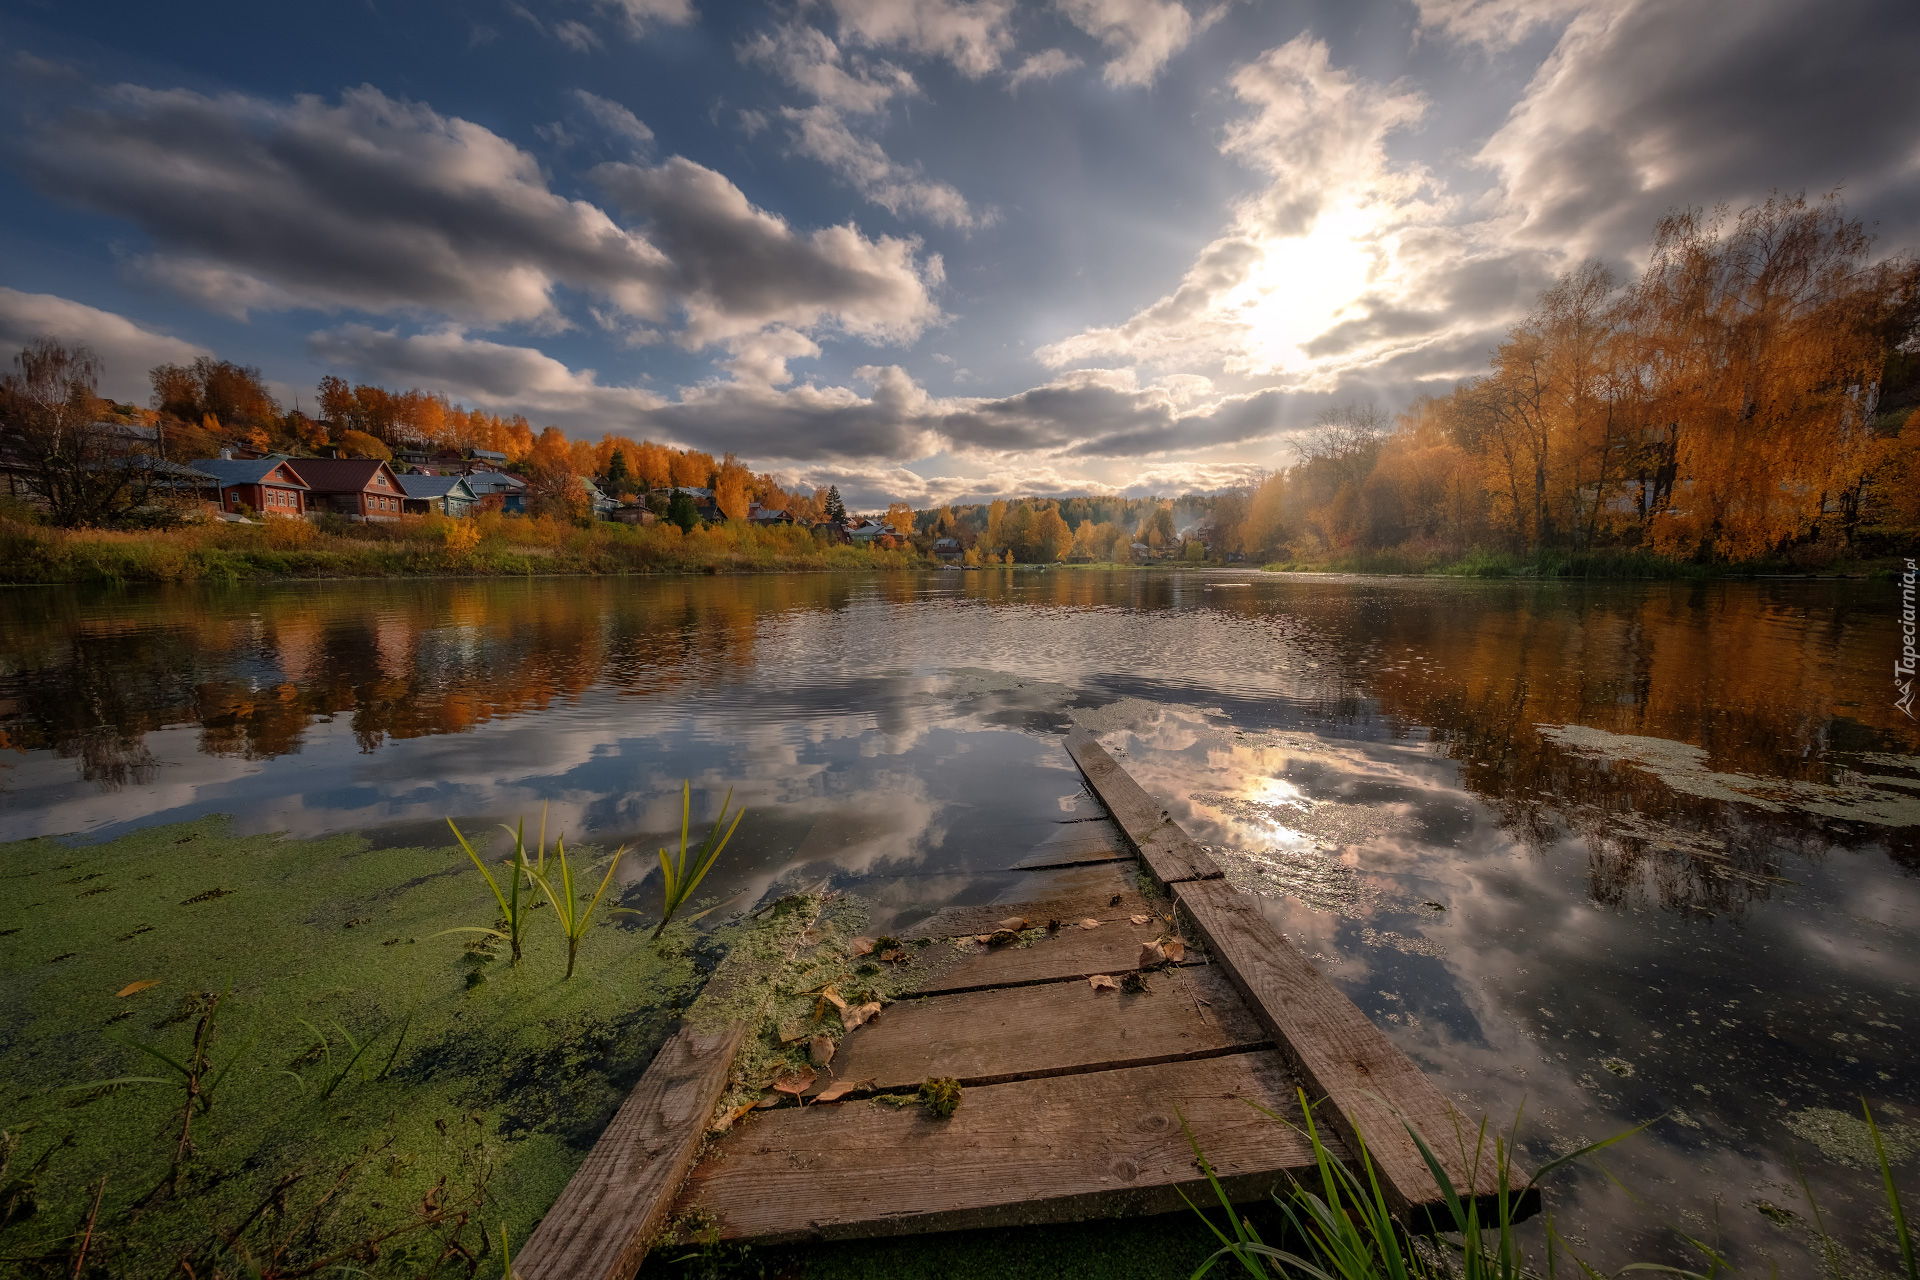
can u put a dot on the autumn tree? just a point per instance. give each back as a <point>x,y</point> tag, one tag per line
<point>86,470</point>
<point>732,486</point>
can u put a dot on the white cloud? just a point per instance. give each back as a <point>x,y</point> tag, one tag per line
<point>822,134</point>
<point>576,35</point>
<point>1497,24</point>
<point>638,15</point>
<point>811,62</point>
<point>614,118</point>
<point>1044,65</point>
<point>126,350</point>
<point>1143,34</point>
<point>973,36</point>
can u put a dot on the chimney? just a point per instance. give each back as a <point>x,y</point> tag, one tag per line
<point>226,455</point>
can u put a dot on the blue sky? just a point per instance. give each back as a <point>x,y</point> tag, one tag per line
<point>926,249</point>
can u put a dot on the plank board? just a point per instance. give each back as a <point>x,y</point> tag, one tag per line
<point>1168,851</point>
<point>958,922</point>
<point>605,1219</point>
<point>1074,952</point>
<point>1054,1150</point>
<point>1075,844</point>
<point>1339,1054</point>
<point>991,1037</point>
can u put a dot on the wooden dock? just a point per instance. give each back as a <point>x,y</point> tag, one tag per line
<point>1073,1097</point>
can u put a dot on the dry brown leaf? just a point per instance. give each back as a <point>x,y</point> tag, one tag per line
<point>1150,955</point>
<point>832,997</point>
<point>1175,949</point>
<point>859,1014</point>
<point>983,938</point>
<point>135,988</point>
<point>1103,982</point>
<point>1143,919</point>
<point>795,1080</point>
<point>840,1089</point>
<point>1016,923</point>
<point>1089,924</point>
<point>860,947</point>
<point>894,955</point>
<point>728,1117</point>
<point>770,1100</point>
<point>820,1049</point>
<point>793,1032</point>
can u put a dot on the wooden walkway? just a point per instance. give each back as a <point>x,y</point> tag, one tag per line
<point>1073,1099</point>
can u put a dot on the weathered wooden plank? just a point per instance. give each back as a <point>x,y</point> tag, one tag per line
<point>1073,952</point>
<point>1075,844</point>
<point>619,1198</point>
<point>1168,851</point>
<point>991,1037</point>
<point>958,922</point>
<point>1339,1054</point>
<point>1053,1150</point>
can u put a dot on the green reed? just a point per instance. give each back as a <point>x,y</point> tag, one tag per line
<point>566,905</point>
<point>513,907</point>
<point>682,877</point>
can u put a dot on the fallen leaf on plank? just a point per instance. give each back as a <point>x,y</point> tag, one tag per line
<point>859,1014</point>
<point>135,988</point>
<point>1089,924</point>
<point>1175,949</point>
<point>1102,982</point>
<point>796,1080</point>
<point>1142,919</point>
<point>793,1032</point>
<point>894,956</point>
<point>770,1100</point>
<point>840,1089</point>
<point>727,1118</point>
<point>820,1049</point>
<point>860,947</point>
<point>1015,923</point>
<point>1150,955</point>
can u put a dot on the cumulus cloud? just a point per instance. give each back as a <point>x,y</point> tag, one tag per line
<point>1044,65</point>
<point>1345,260</point>
<point>614,118</point>
<point>974,35</point>
<point>370,203</point>
<point>1644,106</point>
<point>822,133</point>
<point>126,350</point>
<point>736,268</point>
<point>844,86</point>
<point>1142,34</point>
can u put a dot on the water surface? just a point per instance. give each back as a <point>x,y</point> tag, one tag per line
<point>1618,851</point>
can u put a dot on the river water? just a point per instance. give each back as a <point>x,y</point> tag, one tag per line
<point>1617,852</point>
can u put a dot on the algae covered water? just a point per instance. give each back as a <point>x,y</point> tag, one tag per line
<point>1619,852</point>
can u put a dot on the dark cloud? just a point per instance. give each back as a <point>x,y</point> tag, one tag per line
<point>1669,104</point>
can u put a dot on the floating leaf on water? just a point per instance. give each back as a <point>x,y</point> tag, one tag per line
<point>795,1080</point>
<point>1102,982</point>
<point>135,988</point>
<point>1150,955</point>
<point>1143,919</point>
<point>1175,949</point>
<point>820,1049</point>
<point>1016,923</point>
<point>1089,923</point>
<point>860,947</point>
<point>859,1014</point>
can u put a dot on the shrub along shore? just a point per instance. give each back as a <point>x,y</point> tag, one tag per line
<point>486,545</point>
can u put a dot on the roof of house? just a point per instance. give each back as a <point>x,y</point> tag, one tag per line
<point>494,482</point>
<point>339,475</point>
<point>488,454</point>
<point>436,486</point>
<point>231,471</point>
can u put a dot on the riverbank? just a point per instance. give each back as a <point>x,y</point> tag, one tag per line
<point>486,546</point>
<point>1484,563</point>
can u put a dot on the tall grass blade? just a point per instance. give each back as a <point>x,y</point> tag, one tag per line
<point>679,878</point>
<point>566,904</point>
<point>1901,1236</point>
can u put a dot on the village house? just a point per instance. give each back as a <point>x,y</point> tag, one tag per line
<point>948,550</point>
<point>268,485</point>
<point>359,488</point>
<point>863,532</point>
<point>757,514</point>
<point>497,489</point>
<point>447,495</point>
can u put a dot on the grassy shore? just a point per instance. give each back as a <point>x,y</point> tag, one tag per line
<point>434,546</point>
<point>1485,563</point>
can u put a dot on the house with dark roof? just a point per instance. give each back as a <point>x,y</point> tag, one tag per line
<point>448,495</point>
<point>359,488</point>
<point>268,485</point>
<point>508,492</point>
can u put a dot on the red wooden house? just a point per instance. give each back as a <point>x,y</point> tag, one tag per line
<point>267,485</point>
<point>360,487</point>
